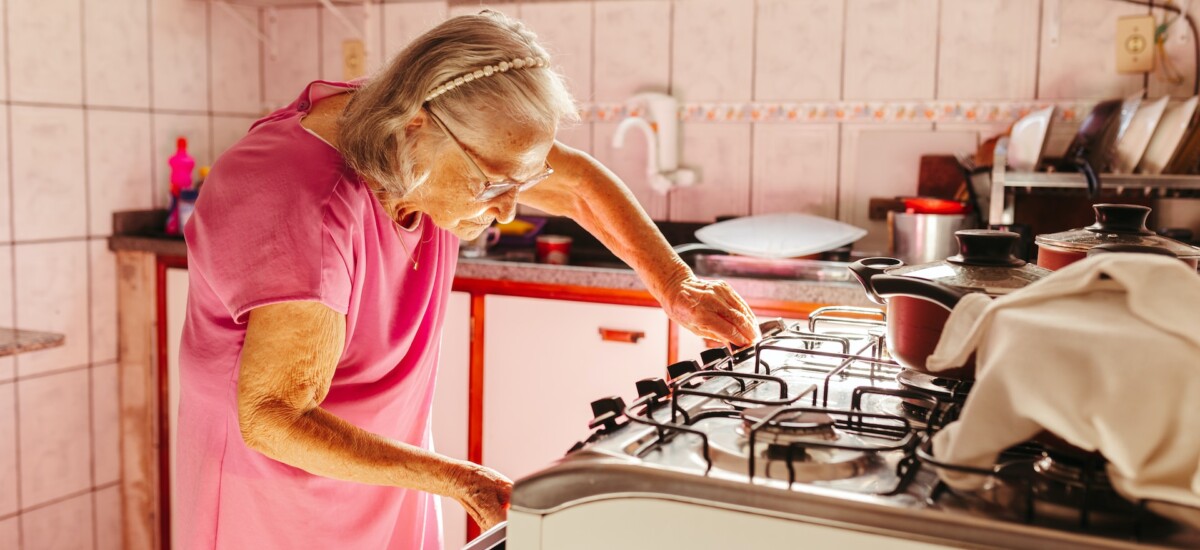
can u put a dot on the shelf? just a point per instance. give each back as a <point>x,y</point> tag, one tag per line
<point>14,341</point>
<point>998,202</point>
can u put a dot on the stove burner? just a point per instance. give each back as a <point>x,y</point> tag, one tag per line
<point>946,390</point>
<point>788,427</point>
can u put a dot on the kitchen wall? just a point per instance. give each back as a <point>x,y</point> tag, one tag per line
<point>93,94</point>
<point>753,71</point>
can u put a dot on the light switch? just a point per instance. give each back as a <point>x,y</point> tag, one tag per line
<point>354,59</point>
<point>1135,44</point>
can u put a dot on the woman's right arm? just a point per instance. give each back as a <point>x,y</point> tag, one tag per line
<point>287,363</point>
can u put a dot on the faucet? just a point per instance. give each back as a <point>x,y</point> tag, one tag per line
<point>662,163</point>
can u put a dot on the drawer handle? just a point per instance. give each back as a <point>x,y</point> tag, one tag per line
<point>626,336</point>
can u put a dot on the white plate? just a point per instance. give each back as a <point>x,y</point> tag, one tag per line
<point>1028,139</point>
<point>1133,140</point>
<point>785,235</point>
<point>1170,132</point>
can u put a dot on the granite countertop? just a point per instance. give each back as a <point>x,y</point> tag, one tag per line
<point>14,341</point>
<point>138,231</point>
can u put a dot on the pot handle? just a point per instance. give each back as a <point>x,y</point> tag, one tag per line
<point>1090,175</point>
<point>888,286</point>
<point>866,269</point>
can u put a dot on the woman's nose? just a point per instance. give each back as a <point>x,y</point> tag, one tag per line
<point>506,207</point>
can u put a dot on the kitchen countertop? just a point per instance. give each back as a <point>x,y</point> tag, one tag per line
<point>131,233</point>
<point>14,341</point>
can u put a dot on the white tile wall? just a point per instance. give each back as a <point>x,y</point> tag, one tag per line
<point>108,519</point>
<point>179,54</point>
<point>119,165</point>
<point>236,84</point>
<point>8,451</point>
<point>721,155</point>
<point>65,525</point>
<point>1078,57</point>
<point>49,202</point>
<point>713,49</point>
<point>9,533</point>
<point>565,30</point>
<point>228,130</point>
<point>116,52</point>
<point>103,301</point>
<point>8,365</point>
<point>402,22</point>
<point>795,169</point>
<point>45,50</point>
<point>296,61</point>
<point>882,161</point>
<point>52,295</point>
<point>334,33</point>
<point>55,447</point>
<point>891,49</point>
<point>5,182</point>
<point>632,48</point>
<point>799,50</point>
<point>988,49</point>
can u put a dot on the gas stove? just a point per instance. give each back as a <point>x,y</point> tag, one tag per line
<point>814,436</point>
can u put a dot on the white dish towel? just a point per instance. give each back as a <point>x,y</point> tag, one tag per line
<point>1104,353</point>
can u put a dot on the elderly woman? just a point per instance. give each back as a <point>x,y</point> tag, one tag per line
<point>321,256</point>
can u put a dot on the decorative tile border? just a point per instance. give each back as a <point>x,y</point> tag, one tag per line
<point>988,112</point>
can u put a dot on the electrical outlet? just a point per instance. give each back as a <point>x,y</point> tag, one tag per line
<point>1135,44</point>
<point>354,59</point>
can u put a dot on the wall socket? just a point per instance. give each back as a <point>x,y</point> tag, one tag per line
<point>354,59</point>
<point>1135,44</point>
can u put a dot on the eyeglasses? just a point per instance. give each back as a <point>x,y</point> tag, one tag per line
<point>491,189</point>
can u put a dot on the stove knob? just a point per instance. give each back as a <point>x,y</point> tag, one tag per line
<point>678,370</point>
<point>606,412</point>
<point>710,356</point>
<point>655,386</point>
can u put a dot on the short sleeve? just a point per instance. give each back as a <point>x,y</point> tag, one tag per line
<point>278,242</point>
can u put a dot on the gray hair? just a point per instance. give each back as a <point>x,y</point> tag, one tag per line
<point>372,134</point>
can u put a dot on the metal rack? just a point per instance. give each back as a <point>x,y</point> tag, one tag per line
<point>1006,182</point>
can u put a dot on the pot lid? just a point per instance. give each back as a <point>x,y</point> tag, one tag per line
<point>1123,224</point>
<point>985,263</point>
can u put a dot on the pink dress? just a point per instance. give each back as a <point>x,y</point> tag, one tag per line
<point>282,218</point>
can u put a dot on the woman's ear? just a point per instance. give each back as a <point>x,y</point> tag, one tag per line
<point>418,121</point>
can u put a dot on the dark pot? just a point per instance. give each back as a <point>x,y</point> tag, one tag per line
<point>1121,225</point>
<point>919,298</point>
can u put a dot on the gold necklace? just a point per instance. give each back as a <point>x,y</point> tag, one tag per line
<point>412,255</point>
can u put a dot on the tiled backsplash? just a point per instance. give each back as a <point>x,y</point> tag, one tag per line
<point>790,105</point>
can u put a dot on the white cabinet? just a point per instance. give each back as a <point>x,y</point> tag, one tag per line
<point>176,293</point>
<point>450,405</point>
<point>545,362</point>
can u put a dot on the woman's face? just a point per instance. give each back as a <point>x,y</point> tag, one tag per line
<point>450,197</point>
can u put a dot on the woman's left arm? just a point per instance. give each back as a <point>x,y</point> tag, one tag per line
<point>587,192</point>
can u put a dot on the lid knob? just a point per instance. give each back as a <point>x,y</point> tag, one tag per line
<point>1121,218</point>
<point>986,248</point>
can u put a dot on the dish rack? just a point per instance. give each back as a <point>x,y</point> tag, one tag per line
<point>1006,183</point>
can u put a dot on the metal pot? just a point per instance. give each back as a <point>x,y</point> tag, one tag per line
<point>1116,224</point>
<point>919,298</point>
<point>921,238</point>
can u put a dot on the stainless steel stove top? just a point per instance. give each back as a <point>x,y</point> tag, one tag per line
<point>816,423</point>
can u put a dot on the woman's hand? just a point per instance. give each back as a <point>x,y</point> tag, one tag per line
<point>484,494</point>
<point>710,309</point>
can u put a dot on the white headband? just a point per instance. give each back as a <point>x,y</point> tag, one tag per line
<point>503,66</point>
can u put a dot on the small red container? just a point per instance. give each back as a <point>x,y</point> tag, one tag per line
<point>554,249</point>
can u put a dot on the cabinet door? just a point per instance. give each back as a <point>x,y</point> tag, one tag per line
<point>545,362</point>
<point>176,293</point>
<point>451,407</point>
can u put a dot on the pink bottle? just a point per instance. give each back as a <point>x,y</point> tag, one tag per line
<point>181,178</point>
